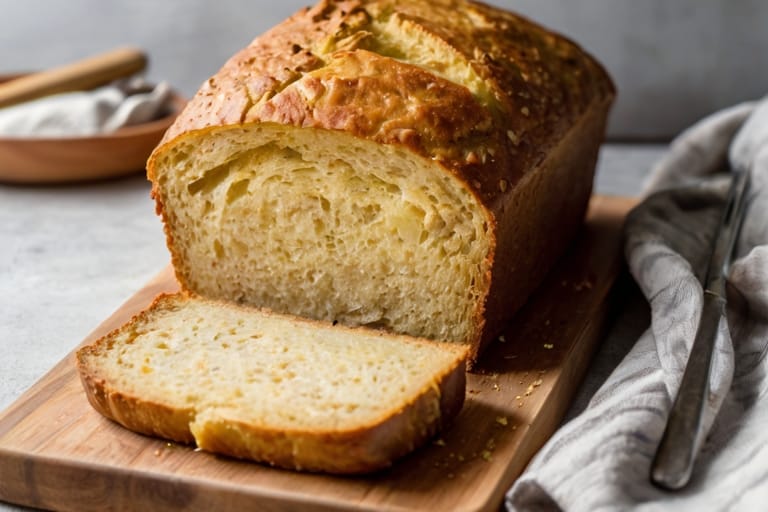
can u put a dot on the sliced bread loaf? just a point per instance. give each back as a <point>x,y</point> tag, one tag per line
<point>414,165</point>
<point>276,389</point>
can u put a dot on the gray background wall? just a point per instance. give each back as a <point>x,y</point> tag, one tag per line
<point>673,60</point>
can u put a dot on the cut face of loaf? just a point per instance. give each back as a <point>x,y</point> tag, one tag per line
<point>327,226</point>
<point>292,393</point>
<point>411,165</point>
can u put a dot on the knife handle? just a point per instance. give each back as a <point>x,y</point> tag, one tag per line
<point>78,76</point>
<point>683,436</point>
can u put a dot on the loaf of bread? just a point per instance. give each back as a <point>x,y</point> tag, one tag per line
<point>415,166</point>
<point>289,392</point>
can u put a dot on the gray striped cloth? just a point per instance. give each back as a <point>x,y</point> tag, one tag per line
<point>600,460</point>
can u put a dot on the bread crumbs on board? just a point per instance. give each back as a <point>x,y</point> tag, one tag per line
<point>531,387</point>
<point>490,445</point>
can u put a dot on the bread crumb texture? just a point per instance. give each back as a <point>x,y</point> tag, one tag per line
<point>319,226</point>
<point>276,389</point>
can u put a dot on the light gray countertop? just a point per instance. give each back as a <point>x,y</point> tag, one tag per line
<point>71,255</point>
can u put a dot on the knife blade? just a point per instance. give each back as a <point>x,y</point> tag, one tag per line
<point>673,464</point>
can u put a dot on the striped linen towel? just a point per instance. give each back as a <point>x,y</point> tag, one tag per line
<point>600,460</point>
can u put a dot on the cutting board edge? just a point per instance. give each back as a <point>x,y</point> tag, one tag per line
<point>71,473</point>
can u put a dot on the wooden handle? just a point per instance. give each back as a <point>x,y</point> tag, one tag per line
<point>78,76</point>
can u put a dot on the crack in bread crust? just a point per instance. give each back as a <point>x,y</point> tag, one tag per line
<point>536,83</point>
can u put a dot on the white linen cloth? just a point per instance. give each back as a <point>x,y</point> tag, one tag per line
<point>85,113</point>
<point>600,460</point>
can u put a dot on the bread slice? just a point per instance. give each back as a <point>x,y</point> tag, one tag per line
<point>416,166</point>
<point>288,392</point>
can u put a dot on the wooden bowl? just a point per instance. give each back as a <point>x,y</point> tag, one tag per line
<point>71,159</point>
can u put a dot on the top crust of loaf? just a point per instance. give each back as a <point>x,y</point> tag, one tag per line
<point>485,92</point>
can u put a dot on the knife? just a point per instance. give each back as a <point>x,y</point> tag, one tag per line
<point>673,463</point>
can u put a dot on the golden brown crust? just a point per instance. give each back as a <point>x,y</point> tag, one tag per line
<point>360,92</point>
<point>361,450</point>
<point>539,85</point>
<point>136,414</point>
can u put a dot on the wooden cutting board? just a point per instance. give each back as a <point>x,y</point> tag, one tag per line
<point>56,452</point>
